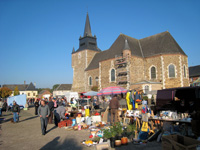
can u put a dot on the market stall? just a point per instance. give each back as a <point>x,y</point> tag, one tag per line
<point>137,123</point>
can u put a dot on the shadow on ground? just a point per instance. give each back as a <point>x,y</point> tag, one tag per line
<point>9,119</point>
<point>67,144</point>
<point>52,129</point>
<point>28,118</point>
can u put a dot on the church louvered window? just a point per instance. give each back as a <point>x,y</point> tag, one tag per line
<point>171,71</point>
<point>90,80</point>
<point>153,72</point>
<point>112,75</point>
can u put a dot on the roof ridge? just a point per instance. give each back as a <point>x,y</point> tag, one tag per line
<point>194,66</point>
<point>155,34</point>
<point>127,36</point>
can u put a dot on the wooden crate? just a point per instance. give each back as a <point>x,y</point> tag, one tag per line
<point>178,142</point>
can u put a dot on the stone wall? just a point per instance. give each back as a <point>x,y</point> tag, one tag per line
<point>79,65</point>
<point>93,74</point>
<point>136,69</point>
<point>139,68</point>
<point>153,62</point>
<point>80,61</point>
<point>106,67</point>
<point>179,61</point>
<point>186,81</point>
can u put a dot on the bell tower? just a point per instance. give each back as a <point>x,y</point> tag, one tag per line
<point>82,57</point>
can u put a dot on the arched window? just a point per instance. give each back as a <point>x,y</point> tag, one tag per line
<point>112,74</point>
<point>90,80</point>
<point>171,71</point>
<point>184,70</point>
<point>153,72</point>
<point>97,79</point>
<point>146,89</point>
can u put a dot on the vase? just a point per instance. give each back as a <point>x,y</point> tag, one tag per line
<point>124,140</point>
<point>118,142</point>
<point>112,142</point>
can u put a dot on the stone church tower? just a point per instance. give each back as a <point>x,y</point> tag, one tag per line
<point>149,64</point>
<point>82,57</point>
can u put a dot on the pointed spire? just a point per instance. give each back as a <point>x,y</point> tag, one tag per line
<point>126,45</point>
<point>87,31</point>
<point>73,50</point>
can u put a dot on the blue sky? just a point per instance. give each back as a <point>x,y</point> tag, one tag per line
<point>37,36</point>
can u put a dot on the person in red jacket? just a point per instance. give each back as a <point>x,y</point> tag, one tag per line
<point>114,106</point>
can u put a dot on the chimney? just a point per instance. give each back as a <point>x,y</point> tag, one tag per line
<point>34,84</point>
<point>24,82</point>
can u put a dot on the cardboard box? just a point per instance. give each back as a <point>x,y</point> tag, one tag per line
<point>96,118</point>
<point>178,142</point>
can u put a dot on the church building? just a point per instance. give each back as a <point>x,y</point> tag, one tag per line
<point>148,64</point>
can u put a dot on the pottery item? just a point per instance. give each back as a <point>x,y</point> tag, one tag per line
<point>118,142</point>
<point>124,140</point>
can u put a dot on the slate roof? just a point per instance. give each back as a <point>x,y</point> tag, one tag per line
<point>87,31</point>
<point>21,87</point>
<point>126,45</point>
<point>162,43</point>
<point>194,71</point>
<point>64,87</point>
<point>87,41</point>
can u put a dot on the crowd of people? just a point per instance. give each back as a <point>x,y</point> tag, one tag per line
<point>49,110</point>
<point>53,110</point>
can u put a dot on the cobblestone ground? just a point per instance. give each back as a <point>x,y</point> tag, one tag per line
<point>27,135</point>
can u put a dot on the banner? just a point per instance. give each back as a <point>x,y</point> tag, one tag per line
<point>19,99</point>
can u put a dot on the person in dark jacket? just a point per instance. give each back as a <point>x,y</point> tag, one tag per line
<point>43,112</point>
<point>36,104</point>
<point>5,106</point>
<point>15,112</point>
<point>114,106</point>
<point>51,107</point>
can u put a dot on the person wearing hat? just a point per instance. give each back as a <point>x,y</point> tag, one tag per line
<point>15,112</point>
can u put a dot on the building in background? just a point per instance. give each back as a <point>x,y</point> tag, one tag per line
<point>148,64</point>
<point>44,94</point>
<point>28,89</point>
<point>194,73</point>
<point>62,90</point>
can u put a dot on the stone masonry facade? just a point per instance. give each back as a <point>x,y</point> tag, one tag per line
<point>152,63</point>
